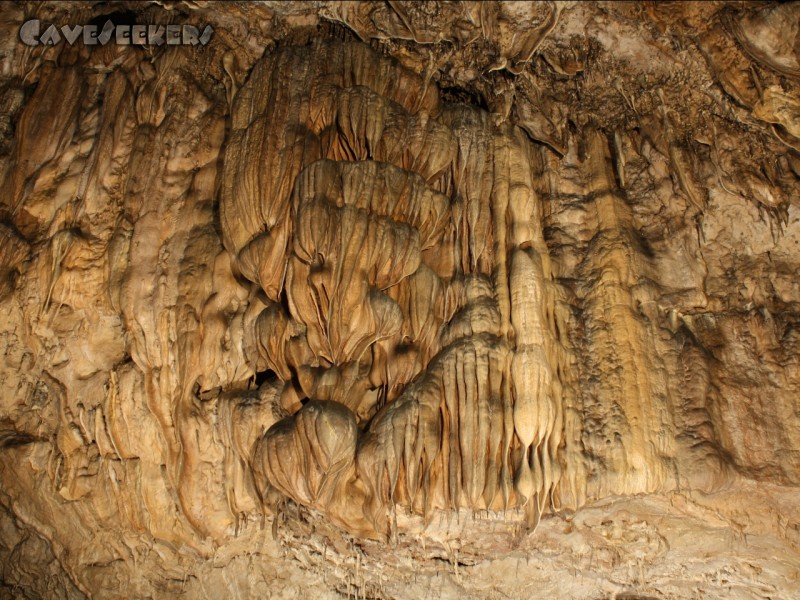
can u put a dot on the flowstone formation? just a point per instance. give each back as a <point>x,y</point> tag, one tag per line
<point>397,299</point>
<point>398,243</point>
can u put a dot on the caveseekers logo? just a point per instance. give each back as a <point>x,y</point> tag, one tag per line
<point>32,34</point>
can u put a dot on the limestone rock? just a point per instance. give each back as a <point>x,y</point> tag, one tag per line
<point>359,297</point>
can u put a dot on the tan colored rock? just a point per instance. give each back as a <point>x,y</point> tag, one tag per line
<point>357,296</point>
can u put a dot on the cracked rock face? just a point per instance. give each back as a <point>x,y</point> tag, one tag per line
<point>399,299</point>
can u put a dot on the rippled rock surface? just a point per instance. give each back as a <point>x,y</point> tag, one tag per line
<point>385,298</point>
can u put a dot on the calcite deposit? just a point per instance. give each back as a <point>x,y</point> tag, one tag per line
<point>400,300</point>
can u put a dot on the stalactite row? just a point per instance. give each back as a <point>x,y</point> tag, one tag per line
<point>398,242</point>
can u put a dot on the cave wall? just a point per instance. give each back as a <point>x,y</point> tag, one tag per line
<point>385,263</point>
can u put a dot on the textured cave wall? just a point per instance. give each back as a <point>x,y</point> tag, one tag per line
<point>355,270</point>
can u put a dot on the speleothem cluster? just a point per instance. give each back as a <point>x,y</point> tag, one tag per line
<point>408,291</point>
<point>433,274</point>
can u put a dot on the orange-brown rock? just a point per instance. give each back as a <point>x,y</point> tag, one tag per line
<point>381,298</point>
